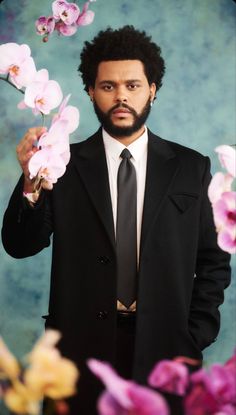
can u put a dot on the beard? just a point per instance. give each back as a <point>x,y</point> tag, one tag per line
<point>126,131</point>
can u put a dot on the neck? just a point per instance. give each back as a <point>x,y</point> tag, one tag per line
<point>127,140</point>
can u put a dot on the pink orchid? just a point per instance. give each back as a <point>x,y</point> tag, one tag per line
<point>47,165</point>
<point>15,61</point>
<point>49,162</point>
<point>86,17</point>
<point>170,376</point>
<point>227,157</point>
<point>68,113</point>
<point>123,396</point>
<point>42,95</point>
<point>220,183</point>
<point>45,25</point>
<point>64,29</point>
<point>67,12</point>
<point>224,211</point>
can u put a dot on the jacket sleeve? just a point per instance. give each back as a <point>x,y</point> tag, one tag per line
<point>26,230</point>
<point>212,275</point>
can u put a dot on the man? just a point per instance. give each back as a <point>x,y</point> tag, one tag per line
<point>119,295</point>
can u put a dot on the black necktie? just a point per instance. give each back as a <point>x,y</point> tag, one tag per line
<point>126,230</point>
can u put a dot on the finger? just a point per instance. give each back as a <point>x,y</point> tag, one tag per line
<point>27,142</point>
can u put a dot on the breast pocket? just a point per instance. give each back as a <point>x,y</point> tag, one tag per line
<point>184,201</point>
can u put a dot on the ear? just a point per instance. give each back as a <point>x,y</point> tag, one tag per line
<point>152,91</point>
<point>91,93</point>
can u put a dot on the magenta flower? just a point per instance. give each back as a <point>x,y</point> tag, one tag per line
<point>67,12</point>
<point>68,113</point>
<point>123,397</point>
<point>65,30</point>
<point>86,17</point>
<point>223,384</point>
<point>227,157</point>
<point>16,62</point>
<point>224,211</point>
<point>170,376</point>
<point>42,95</point>
<point>45,25</point>
<point>201,399</point>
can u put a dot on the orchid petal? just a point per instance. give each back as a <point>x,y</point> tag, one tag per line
<point>66,30</point>
<point>170,376</point>
<point>227,157</point>
<point>115,384</point>
<point>219,184</point>
<point>227,241</point>
<point>85,18</point>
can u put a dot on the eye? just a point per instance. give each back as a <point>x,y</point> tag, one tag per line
<point>133,87</point>
<point>107,87</point>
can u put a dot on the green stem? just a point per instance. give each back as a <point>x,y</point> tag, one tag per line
<point>10,83</point>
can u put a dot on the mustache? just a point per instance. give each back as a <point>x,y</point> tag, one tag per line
<point>122,106</point>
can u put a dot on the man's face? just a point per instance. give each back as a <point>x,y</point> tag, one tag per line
<point>122,96</point>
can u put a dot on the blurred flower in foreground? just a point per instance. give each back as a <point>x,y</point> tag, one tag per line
<point>47,374</point>
<point>223,199</point>
<point>123,397</point>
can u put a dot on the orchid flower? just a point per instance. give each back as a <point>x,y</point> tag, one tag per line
<point>64,29</point>
<point>212,392</point>
<point>66,19</point>
<point>123,396</point>
<point>227,157</point>
<point>220,183</point>
<point>16,62</point>
<point>8,363</point>
<point>49,162</point>
<point>50,374</point>
<point>45,25</point>
<point>67,12</point>
<point>224,211</point>
<point>69,113</point>
<point>42,95</point>
<point>170,376</point>
<point>86,17</point>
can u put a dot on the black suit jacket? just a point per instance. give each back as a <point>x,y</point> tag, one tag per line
<point>182,271</point>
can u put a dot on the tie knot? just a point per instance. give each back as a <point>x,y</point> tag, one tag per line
<point>125,154</point>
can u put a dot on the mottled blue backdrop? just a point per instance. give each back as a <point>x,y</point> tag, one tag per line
<point>195,107</point>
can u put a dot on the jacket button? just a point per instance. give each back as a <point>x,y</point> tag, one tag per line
<point>102,315</point>
<point>103,260</point>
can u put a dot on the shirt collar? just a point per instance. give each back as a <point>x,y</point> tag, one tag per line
<point>114,148</point>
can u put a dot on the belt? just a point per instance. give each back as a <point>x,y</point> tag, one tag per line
<point>126,316</point>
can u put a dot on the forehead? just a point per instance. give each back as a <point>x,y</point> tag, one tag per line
<point>120,70</point>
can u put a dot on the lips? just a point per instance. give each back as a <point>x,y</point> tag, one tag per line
<point>121,111</point>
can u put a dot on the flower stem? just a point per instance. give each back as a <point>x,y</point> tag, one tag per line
<point>10,83</point>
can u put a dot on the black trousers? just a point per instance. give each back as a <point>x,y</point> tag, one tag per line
<point>125,355</point>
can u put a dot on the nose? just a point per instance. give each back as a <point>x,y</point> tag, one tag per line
<point>121,95</point>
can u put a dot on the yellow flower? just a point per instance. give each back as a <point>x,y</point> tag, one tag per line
<point>8,363</point>
<point>50,374</point>
<point>19,400</point>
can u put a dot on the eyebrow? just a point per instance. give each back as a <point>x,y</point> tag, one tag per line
<point>107,81</point>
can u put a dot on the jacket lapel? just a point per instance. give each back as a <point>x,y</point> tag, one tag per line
<point>90,162</point>
<point>162,165</point>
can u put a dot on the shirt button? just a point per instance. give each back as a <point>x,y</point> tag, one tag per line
<point>103,260</point>
<point>102,315</point>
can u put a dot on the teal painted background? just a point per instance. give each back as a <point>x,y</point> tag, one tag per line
<point>195,107</point>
